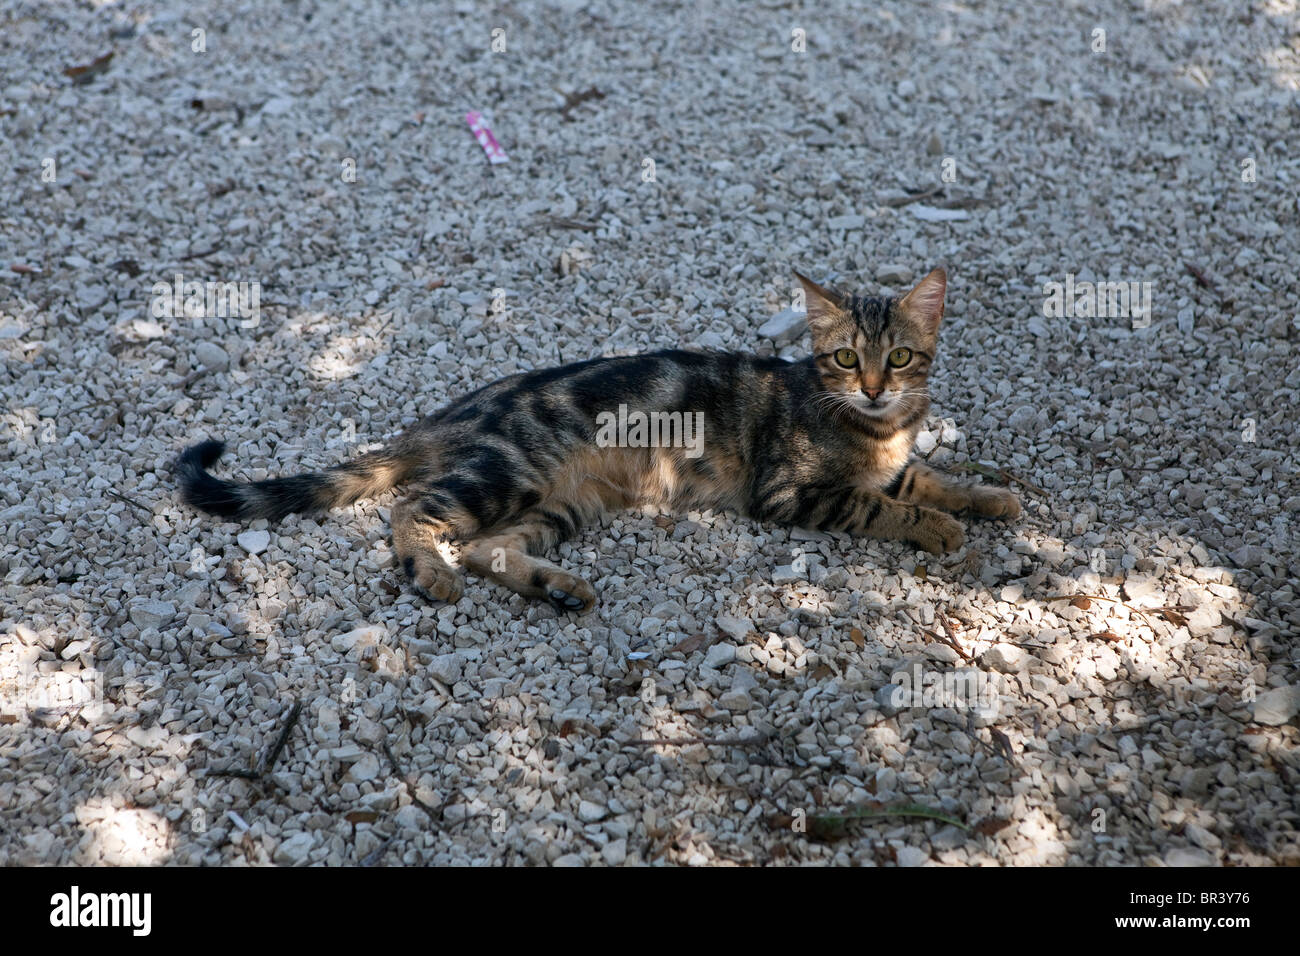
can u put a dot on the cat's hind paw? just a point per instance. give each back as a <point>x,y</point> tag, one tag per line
<point>994,502</point>
<point>569,594</point>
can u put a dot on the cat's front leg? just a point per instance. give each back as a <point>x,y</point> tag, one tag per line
<point>861,511</point>
<point>921,484</point>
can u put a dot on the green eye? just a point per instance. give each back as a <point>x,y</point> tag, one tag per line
<point>900,357</point>
<point>846,358</point>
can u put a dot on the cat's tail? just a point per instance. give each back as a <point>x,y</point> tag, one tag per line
<point>363,477</point>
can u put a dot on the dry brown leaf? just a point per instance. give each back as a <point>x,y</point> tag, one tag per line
<point>362,816</point>
<point>689,645</point>
<point>1082,603</point>
<point>991,825</point>
<point>1108,636</point>
<point>87,72</point>
<point>822,672</point>
<point>856,636</point>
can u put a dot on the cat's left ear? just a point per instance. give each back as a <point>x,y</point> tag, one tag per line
<point>822,304</point>
<point>924,304</point>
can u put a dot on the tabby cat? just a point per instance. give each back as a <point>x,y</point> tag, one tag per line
<point>520,464</point>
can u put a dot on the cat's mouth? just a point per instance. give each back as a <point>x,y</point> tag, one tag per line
<point>873,407</point>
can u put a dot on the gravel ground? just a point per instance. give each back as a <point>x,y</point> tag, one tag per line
<point>145,645</point>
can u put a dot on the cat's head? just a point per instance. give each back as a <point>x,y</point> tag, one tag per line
<point>873,352</point>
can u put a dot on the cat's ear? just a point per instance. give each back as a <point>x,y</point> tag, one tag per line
<point>822,304</point>
<point>924,304</point>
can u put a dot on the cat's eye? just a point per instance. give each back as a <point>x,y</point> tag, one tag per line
<point>846,358</point>
<point>900,357</point>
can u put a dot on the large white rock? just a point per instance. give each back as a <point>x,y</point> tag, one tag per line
<point>1277,706</point>
<point>720,655</point>
<point>367,636</point>
<point>1187,856</point>
<point>254,542</point>
<point>446,668</point>
<point>893,273</point>
<point>213,356</point>
<point>784,327</point>
<point>295,849</point>
<point>733,626</point>
<point>152,613</point>
<point>366,768</point>
<point>912,856</point>
<point>1005,658</point>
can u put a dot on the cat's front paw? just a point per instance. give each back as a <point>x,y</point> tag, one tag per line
<point>937,532</point>
<point>994,502</point>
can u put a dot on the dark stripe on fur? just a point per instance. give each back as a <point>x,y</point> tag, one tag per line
<point>893,487</point>
<point>872,513</point>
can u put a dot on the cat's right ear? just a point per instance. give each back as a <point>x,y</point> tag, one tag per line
<point>822,304</point>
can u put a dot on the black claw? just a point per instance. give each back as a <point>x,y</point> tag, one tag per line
<point>565,601</point>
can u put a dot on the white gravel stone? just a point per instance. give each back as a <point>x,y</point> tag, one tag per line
<point>614,852</point>
<point>720,655</point>
<point>358,637</point>
<point>787,574</point>
<point>1202,621</point>
<point>912,856</point>
<point>294,850</point>
<point>733,627</point>
<point>1276,706</point>
<point>365,768</point>
<point>152,613</point>
<point>784,327</point>
<point>1005,658</point>
<point>213,356</point>
<point>893,274</point>
<point>1189,856</point>
<point>446,668</point>
<point>254,542</point>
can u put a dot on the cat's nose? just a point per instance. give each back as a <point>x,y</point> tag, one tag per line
<point>872,393</point>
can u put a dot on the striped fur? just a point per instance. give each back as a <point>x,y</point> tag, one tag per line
<point>520,464</point>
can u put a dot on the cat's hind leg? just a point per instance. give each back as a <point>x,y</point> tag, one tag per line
<point>509,556</point>
<point>922,485</point>
<point>420,524</point>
